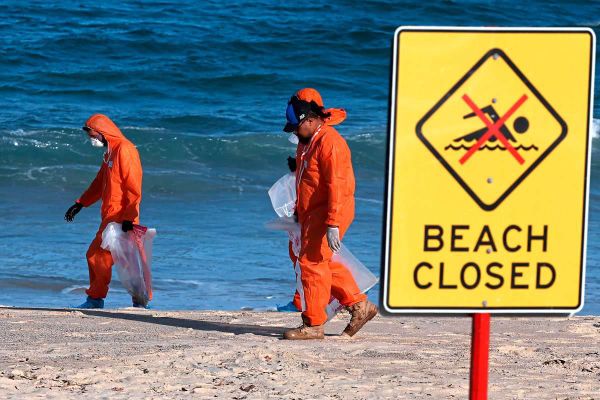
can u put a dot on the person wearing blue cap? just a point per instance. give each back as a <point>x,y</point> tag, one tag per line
<point>325,210</point>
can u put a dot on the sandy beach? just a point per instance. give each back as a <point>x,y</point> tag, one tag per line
<point>150,354</point>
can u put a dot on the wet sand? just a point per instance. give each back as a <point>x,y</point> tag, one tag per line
<point>128,354</point>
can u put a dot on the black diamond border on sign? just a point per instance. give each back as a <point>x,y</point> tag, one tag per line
<point>563,134</point>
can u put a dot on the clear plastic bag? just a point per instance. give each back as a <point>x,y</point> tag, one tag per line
<point>283,195</point>
<point>364,278</point>
<point>286,224</point>
<point>132,255</point>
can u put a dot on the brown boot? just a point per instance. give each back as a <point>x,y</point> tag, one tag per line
<point>362,313</point>
<point>305,332</point>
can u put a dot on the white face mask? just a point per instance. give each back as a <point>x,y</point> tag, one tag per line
<point>96,142</point>
<point>294,139</point>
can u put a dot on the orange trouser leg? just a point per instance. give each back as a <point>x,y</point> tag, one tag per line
<point>343,285</point>
<point>100,267</point>
<point>316,282</point>
<point>320,277</point>
<point>297,301</point>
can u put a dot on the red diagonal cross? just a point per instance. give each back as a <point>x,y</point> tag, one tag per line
<point>493,129</point>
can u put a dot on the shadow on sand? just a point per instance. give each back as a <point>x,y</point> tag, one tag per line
<point>236,329</point>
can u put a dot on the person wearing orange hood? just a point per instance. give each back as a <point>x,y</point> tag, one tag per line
<point>119,185</point>
<point>325,209</point>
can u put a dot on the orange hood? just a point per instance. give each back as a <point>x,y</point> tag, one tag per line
<point>101,123</point>
<point>338,115</point>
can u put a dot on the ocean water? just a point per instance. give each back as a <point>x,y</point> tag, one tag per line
<point>201,87</point>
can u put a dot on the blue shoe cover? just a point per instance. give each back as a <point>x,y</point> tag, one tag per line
<point>90,302</point>
<point>289,307</point>
<point>138,305</point>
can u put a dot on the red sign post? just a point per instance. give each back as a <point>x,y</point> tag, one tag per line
<point>480,350</point>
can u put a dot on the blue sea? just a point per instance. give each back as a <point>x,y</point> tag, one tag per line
<point>201,88</point>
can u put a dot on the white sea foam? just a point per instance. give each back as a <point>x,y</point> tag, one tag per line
<point>22,132</point>
<point>595,131</point>
<point>189,282</point>
<point>366,200</point>
<point>74,289</point>
<point>142,128</point>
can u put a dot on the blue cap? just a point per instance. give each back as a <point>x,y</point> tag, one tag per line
<point>297,110</point>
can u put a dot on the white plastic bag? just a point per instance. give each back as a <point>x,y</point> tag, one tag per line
<point>132,255</point>
<point>286,224</point>
<point>283,195</point>
<point>363,277</point>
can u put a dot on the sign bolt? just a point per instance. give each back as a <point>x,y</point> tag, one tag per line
<point>490,180</point>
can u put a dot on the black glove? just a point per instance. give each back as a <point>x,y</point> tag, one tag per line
<point>292,164</point>
<point>72,212</point>
<point>127,226</point>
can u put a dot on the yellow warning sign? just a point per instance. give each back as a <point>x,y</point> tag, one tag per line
<point>486,207</point>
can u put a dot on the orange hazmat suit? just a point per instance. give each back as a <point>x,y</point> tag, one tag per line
<point>325,189</point>
<point>119,185</point>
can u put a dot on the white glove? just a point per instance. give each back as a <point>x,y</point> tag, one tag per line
<point>333,238</point>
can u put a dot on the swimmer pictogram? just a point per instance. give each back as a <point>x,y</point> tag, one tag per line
<point>491,129</point>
